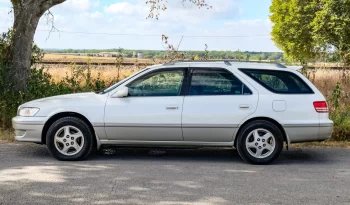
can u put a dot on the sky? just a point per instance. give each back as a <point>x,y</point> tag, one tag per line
<point>103,24</point>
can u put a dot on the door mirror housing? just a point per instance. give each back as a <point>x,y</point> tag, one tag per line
<point>122,92</point>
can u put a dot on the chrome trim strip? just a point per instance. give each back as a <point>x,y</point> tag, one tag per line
<point>210,125</point>
<point>98,124</point>
<point>141,125</point>
<point>28,122</point>
<point>326,124</point>
<point>302,125</point>
<point>171,125</point>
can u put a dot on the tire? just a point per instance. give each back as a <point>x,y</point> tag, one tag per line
<point>70,139</point>
<point>259,142</point>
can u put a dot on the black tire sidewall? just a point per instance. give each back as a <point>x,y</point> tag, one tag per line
<point>69,121</point>
<point>242,136</point>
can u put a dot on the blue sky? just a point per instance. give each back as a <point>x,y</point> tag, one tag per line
<point>246,20</point>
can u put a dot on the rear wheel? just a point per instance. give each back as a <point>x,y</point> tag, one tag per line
<point>69,139</point>
<point>260,142</point>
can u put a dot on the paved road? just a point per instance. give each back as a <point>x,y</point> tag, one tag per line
<point>28,175</point>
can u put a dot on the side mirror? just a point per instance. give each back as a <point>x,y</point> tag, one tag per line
<point>122,92</point>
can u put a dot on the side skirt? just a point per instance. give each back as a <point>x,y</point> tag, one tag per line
<point>180,144</point>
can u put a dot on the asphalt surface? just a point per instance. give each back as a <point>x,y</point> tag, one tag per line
<point>29,175</point>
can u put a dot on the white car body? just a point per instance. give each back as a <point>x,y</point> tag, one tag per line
<point>182,120</point>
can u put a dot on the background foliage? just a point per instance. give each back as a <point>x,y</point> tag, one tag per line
<point>308,29</point>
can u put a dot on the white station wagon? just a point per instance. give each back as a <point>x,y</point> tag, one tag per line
<point>255,107</point>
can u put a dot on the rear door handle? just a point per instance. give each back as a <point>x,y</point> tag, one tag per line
<point>172,108</point>
<point>244,106</point>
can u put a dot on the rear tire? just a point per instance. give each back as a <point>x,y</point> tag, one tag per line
<point>259,142</point>
<point>70,139</point>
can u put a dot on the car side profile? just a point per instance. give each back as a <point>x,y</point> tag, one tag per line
<point>254,107</point>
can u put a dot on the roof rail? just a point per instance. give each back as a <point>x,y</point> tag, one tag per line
<point>227,62</point>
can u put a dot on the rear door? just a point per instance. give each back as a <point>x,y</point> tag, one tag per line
<point>216,102</point>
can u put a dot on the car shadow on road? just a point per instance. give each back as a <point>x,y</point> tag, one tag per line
<point>292,156</point>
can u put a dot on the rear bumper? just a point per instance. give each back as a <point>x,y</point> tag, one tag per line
<point>309,132</point>
<point>28,129</point>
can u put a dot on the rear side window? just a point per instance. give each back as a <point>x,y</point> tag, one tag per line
<point>282,82</point>
<point>216,82</point>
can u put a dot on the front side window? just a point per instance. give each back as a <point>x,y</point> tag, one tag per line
<point>282,82</point>
<point>216,82</point>
<point>161,83</point>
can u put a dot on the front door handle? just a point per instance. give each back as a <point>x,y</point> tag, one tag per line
<point>244,106</point>
<point>172,108</point>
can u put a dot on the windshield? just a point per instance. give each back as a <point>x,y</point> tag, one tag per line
<point>122,81</point>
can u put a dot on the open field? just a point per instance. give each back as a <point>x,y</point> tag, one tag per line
<point>61,58</point>
<point>106,72</point>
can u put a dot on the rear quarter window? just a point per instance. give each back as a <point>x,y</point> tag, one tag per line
<point>281,82</point>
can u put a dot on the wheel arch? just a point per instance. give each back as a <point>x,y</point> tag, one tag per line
<point>285,136</point>
<point>60,115</point>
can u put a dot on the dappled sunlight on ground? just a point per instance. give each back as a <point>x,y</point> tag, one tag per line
<point>48,174</point>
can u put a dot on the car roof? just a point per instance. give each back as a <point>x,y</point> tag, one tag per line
<point>228,64</point>
<point>225,63</point>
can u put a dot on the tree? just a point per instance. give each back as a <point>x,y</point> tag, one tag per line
<point>247,57</point>
<point>292,30</point>
<point>264,56</point>
<point>331,27</point>
<point>27,14</point>
<point>306,29</point>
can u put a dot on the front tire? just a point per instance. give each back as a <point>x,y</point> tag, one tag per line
<point>69,139</point>
<point>260,142</point>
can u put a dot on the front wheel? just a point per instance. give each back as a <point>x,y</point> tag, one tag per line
<point>260,142</point>
<point>69,139</point>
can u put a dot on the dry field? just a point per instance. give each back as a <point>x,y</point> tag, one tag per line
<point>93,59</point>
<point>106,72</point>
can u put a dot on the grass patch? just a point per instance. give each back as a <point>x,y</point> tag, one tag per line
<point>328,143</point>
<point>7,135</point>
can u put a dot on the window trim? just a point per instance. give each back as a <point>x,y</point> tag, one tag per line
<point>189,81</point>
<point>311,91</point>
<point>185,69</point>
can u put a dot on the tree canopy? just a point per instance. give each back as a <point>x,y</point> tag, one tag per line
<point>304,29</point>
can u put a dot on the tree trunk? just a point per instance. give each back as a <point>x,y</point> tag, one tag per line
<point>27,14</point>
<point>25,23</point>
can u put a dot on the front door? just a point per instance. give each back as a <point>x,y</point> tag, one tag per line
<point>216,103</point>
<point>151,111</point>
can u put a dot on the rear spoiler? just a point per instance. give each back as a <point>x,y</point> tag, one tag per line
<point>295,67</point>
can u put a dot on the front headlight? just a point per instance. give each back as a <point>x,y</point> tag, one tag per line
<point>27,111</point>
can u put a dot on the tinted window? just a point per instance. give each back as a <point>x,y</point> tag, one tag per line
<point>282,82</point>
<point>163,83</point>
<point>216,82</point>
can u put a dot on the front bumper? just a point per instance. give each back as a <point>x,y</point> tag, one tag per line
<point>28,129</point>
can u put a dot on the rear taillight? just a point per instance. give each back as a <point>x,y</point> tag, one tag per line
<point>321,106</point>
